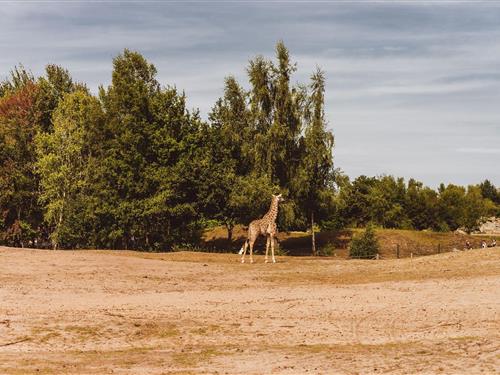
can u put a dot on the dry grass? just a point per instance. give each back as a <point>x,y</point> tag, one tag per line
<point>413,242</point>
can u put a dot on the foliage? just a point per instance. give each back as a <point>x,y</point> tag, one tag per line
<point>390,203</point>
<point>134,168</point>
<point>63,161</point>
<point>18,182</point>
<point>364,245</point>
<point>148,168</point>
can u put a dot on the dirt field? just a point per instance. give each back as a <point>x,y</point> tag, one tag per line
<point>101,312</point>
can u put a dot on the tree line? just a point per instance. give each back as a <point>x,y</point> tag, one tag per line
<point>391,202</point>
<point>132,167</point>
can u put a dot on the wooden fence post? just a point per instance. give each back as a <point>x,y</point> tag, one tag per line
<point>439,248</point>
<point>397,251</point>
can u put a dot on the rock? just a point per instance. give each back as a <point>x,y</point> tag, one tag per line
<point>490,226</point>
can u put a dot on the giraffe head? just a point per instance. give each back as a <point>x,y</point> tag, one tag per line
<point>279,198</point>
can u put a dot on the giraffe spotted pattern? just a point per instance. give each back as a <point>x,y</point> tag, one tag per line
<point>266,227</point>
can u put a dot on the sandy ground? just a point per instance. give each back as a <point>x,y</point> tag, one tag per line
<point>101,312</point>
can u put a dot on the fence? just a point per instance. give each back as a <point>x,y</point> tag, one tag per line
<point>416,250</point>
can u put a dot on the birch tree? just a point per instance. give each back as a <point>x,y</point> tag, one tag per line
<point>62,161</point>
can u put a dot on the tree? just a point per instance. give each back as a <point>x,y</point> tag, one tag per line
<point>127,151</point>
<point>386,199</point>
<point>421,205</point>
<point>489,191</point>
<point>282,145</point>
<point>19,78</point>
<point>365,245</point>
<point>51,90</point>
<point>261,111</point>
<point>476,208</point>
<point>19,210</point>
<point>231,128</point>
<point>152,155</point>
<point>173,176</point>
<point>276,109</point>
<point>357,203</point>
<point>26,109</point>
<point>451,206</point>
<point>135,168</point>
<point>234,190</point>
<point>315,175</point>
<point>63,161</point>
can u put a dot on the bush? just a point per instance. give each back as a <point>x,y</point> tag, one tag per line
<point>364,245</point>
<point>327,251</point>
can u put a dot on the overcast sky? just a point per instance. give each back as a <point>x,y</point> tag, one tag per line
<point>413,88</point>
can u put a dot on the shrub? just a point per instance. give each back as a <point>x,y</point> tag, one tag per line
<point>327,251</point>
<point>364,245</point>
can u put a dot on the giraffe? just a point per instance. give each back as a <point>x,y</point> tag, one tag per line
<point>265,226</point>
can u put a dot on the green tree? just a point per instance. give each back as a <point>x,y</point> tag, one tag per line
<point>451,207</point>
<point>282,139</point>
<point>314,180</point>
<point>476,208</point>
<point>152,156</point>
<point>51,88</point>
<point>63,161</point>
<point>365,245</point>
<point>128,109</point>
<point>357,203</point>
<point>386,200</point>
<point>421,206</point>
<point>231,156</point>
<point>277,109</point>
<point>261,111</point>
<point>231,124</point>
<point>489,191</point>
<point>178,160</point>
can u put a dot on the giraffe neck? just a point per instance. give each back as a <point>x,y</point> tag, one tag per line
<point>272,214</point>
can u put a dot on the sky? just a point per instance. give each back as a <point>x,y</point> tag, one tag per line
<point>413,88</point>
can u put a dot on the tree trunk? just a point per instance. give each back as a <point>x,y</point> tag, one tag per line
<point>55,242</point>
<point>20,228</point>
<point>230,233</point>
<point>313,239</point>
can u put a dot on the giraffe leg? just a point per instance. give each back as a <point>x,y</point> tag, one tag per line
<point>244,251</point>
<point>251,251</point>
<point>267,248</point>
<point>272,248</point>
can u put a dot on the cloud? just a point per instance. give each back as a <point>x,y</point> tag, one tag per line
<point>478,150</point>
<point>402,78</point>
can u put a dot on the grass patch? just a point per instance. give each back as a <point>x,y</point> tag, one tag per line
<point>83,333</point>
<point>194,358</point>
<point>466,338</point>
<point>206,330</point>
<point>158,330</point>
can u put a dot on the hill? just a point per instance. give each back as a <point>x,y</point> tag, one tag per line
<point>336,243</point>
